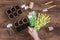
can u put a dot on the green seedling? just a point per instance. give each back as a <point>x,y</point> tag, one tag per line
<point>38,22</point>
<point>32,17</point>
<point>41,21</point>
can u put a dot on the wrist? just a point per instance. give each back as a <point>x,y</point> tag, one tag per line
<point>37,38</point>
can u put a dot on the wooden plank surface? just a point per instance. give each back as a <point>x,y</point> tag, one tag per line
<point>54,13</point>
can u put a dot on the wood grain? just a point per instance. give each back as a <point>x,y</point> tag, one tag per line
<point>54,13</point>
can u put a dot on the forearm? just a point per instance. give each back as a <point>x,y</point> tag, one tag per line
<point>37,38</point>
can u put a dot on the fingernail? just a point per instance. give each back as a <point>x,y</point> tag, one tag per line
<point>30,29</point>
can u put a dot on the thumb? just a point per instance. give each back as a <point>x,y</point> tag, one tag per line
<point>30,29</point>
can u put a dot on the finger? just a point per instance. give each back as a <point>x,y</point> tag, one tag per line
<point>29,32</point>
<point>30,29</point>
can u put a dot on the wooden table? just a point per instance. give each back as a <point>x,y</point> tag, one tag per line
<point>54,13</point>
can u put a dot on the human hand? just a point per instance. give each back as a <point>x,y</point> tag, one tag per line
<point>33,33</point>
